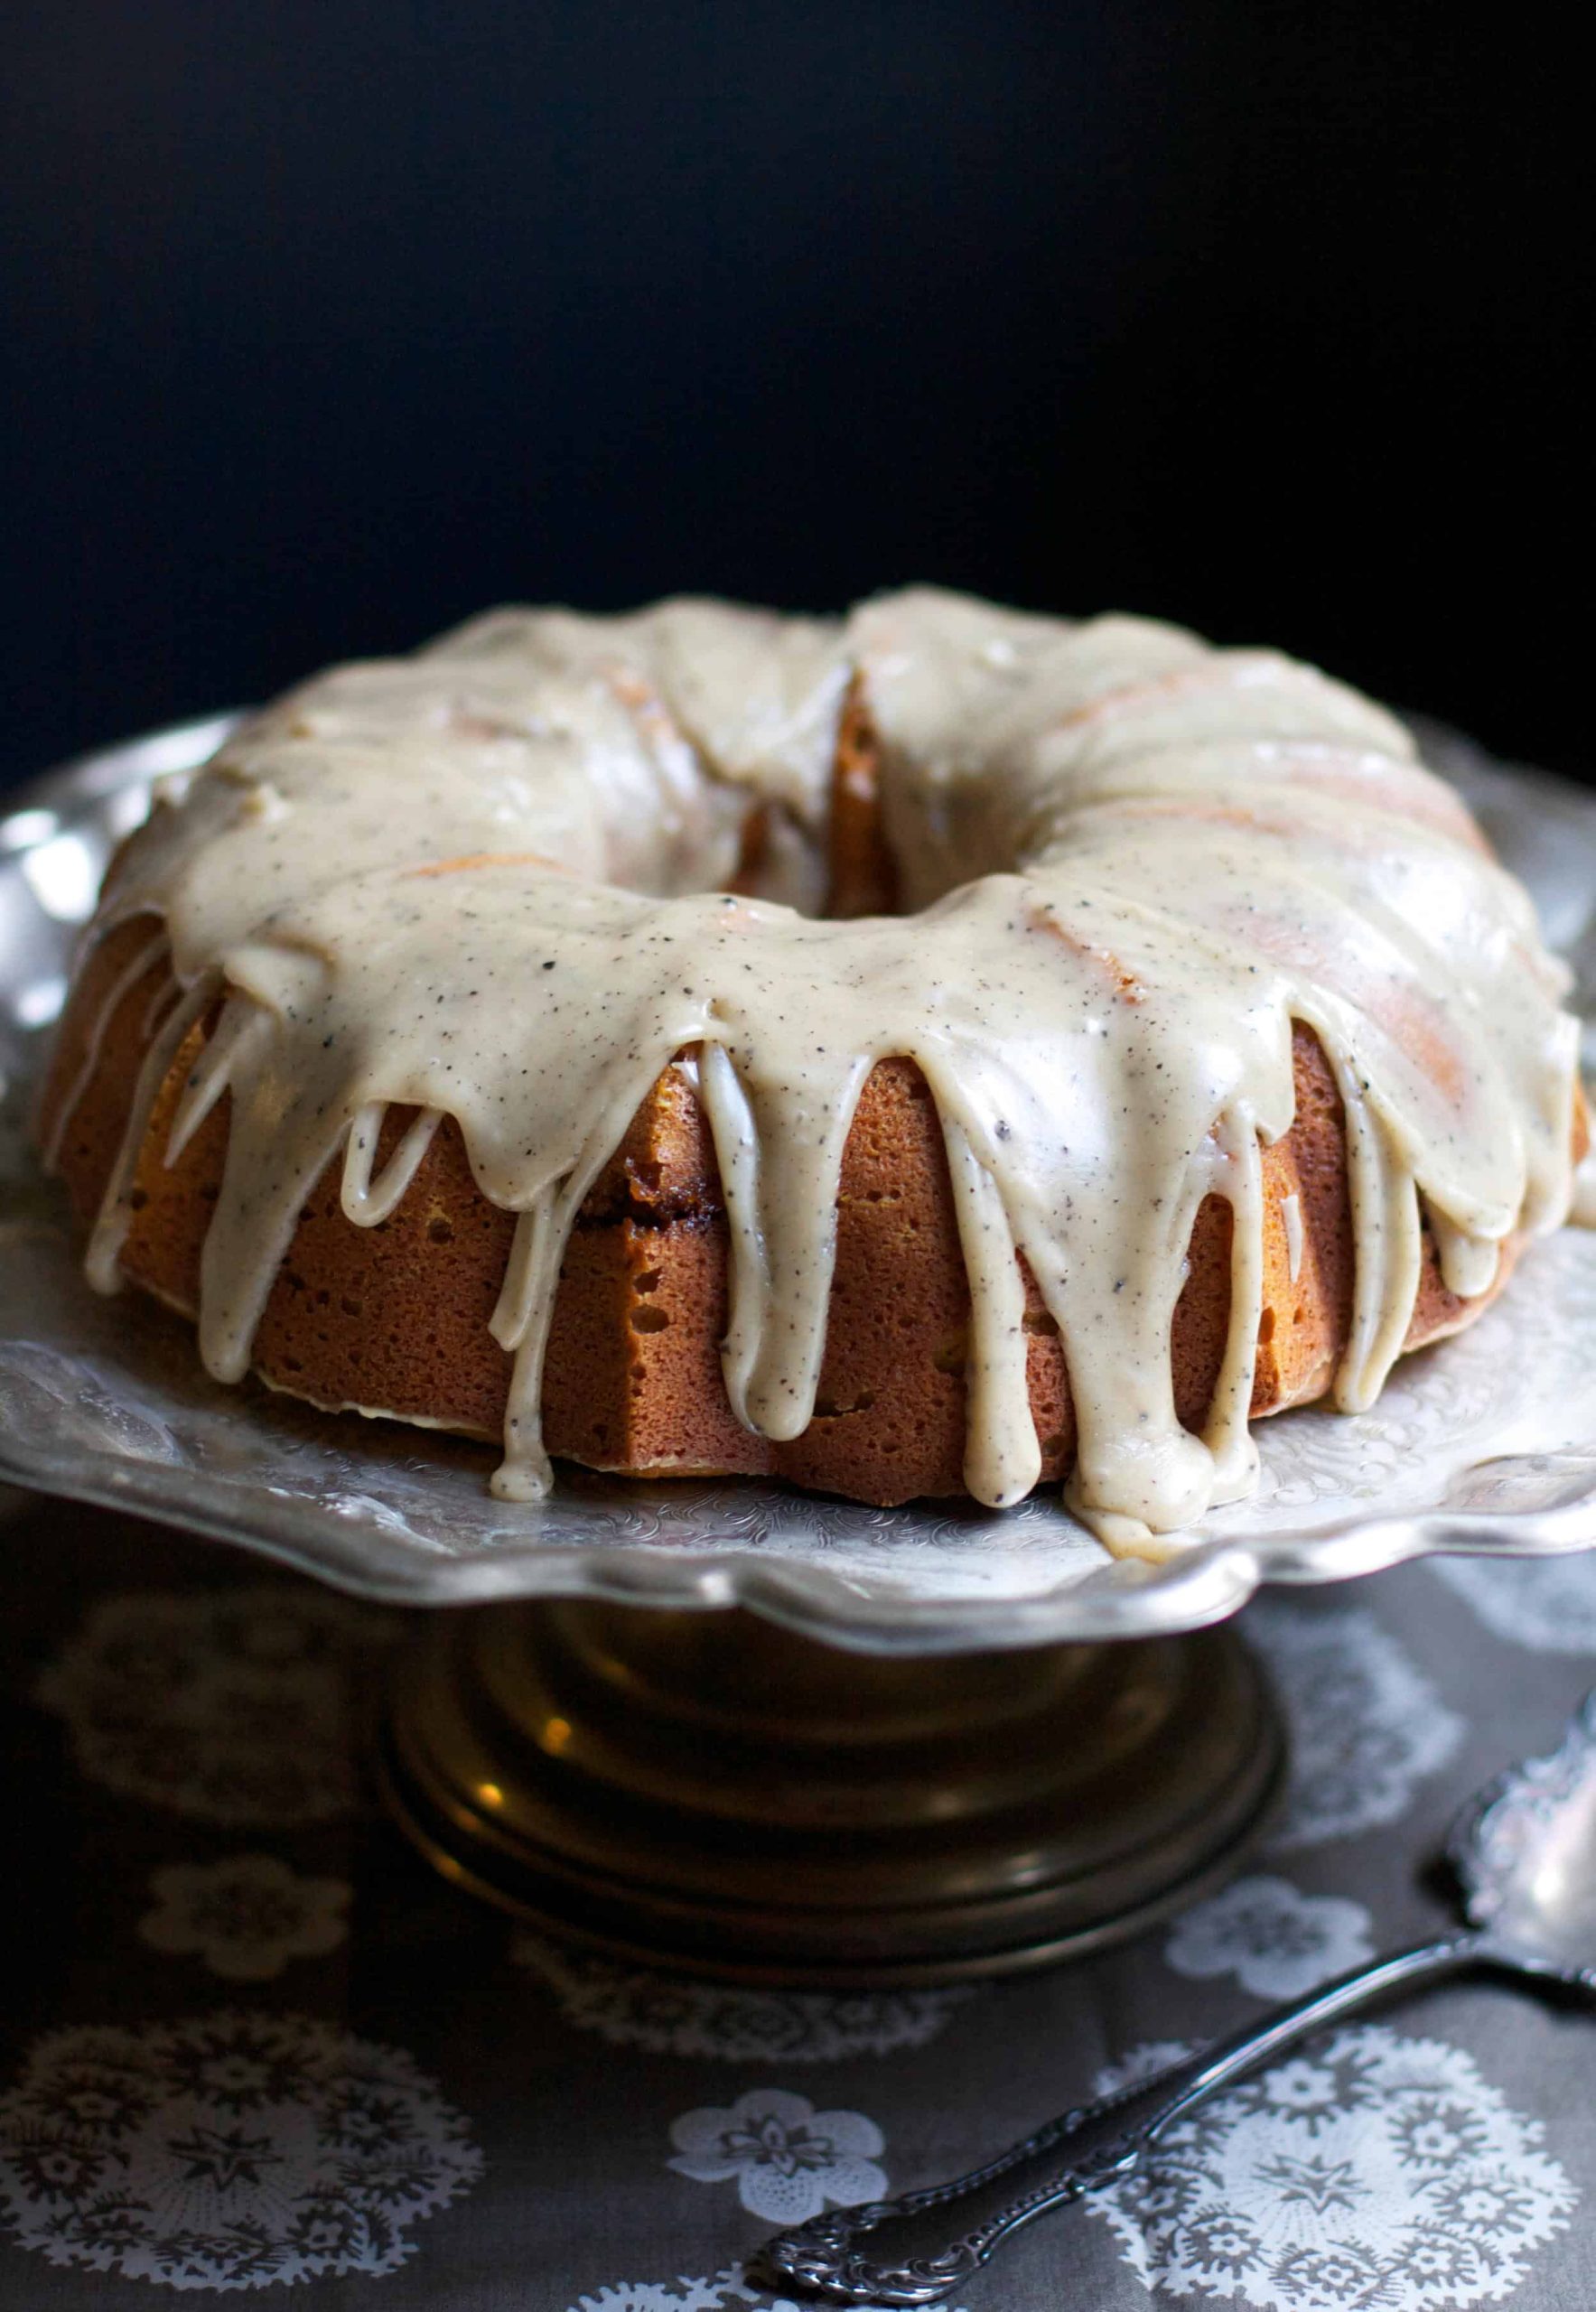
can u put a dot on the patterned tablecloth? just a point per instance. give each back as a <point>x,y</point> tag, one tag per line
<point>251,2041</point>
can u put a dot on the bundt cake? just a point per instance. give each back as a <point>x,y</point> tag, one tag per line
<point>932,1051</point>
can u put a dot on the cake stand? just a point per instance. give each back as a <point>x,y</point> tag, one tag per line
<point>753,1732</point>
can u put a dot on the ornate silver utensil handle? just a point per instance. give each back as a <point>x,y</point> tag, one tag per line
<point>1108,2138</point>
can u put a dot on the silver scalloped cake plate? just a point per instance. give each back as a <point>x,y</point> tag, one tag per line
<point>1486,1443</point>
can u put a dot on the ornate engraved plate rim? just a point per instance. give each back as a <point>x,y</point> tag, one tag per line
<point>1480,1453</point>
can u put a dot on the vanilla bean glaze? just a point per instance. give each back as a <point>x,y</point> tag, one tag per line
<point>488,883</point>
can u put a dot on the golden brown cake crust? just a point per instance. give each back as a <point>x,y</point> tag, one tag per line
<point>395,1318</point>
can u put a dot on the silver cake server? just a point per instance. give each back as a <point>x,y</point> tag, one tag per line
<point>1523,1852</point>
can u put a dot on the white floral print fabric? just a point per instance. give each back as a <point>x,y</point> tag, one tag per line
<point>1276,1942</point>
<point>657,2296</point>
<point>1547,1603</point>
<point>232,1706</point>
<point>1371,2171</point>
<point>787,2159</point>
<point>230,2152</point>
<point>246,1917</point>
<point>1367,1725</point>
<point>665,2014</point>
<point>727,2291</point>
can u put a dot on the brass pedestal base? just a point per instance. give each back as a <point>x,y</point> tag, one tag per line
<point>707,1791</point>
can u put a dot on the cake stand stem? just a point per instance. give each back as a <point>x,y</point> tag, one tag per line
<point>711,1792</point>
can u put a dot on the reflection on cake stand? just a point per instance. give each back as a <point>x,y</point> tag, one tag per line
<point>752,1732</point>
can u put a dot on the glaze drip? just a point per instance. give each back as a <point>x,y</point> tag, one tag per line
<point>489,883</point>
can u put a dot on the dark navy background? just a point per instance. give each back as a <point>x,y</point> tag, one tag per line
<point>324,321</point>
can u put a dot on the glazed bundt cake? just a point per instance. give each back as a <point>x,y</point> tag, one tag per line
<point>935,1050</point>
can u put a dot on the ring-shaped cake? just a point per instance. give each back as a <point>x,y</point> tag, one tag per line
<point>932,1051</point>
